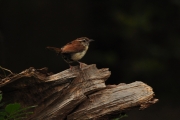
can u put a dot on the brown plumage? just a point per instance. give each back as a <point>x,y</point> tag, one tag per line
<point>74,50</point>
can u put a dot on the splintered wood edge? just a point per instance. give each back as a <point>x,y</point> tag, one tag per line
<point>113,100</point>
<point>59,78</point>
<point>26,73</point>
<point>88,80</point>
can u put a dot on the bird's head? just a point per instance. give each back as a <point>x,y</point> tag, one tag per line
<point>84,40</point>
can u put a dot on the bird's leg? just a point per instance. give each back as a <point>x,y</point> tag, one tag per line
<point>70,67</point>
<point>80,64</point>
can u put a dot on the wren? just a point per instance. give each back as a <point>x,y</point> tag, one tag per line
<point>74,50</point>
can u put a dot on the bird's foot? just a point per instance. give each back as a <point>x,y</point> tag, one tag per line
<point>71,67</point>
<point>81,65</point>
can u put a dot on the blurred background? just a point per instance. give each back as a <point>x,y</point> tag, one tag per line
<point>137,40</point>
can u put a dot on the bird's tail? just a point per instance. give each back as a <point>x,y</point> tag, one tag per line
<point>57,50</point>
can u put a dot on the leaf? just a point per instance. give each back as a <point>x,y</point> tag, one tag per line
<point>27,108</point>
<point>12,108</point>
<point>3,113</point>
<point>19,113</point>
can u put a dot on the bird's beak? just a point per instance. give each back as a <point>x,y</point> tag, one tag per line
<point>90,40</point>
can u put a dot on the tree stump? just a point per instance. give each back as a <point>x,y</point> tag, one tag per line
<point>74,94</point>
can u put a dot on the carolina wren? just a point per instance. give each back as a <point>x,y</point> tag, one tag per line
<point>74,50</point>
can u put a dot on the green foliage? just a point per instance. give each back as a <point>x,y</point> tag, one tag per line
<point>13,111</point>
<point>120,116</point>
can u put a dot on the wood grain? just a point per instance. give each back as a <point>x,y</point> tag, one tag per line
<point>77,94</point>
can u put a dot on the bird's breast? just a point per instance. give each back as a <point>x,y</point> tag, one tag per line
<point>79,55</point>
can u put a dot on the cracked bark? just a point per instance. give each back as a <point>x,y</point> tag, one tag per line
<point>76,94</point>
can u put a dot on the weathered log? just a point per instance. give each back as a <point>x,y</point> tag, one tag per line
<point>75,93</point>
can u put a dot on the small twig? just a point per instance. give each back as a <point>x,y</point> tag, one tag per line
<point>4,69</point>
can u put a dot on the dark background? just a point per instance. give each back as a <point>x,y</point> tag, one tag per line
<point>138,40</point>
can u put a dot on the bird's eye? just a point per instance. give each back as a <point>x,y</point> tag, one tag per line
<point>84,40</point>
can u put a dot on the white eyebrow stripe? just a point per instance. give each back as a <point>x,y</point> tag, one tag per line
<point>81,40</point>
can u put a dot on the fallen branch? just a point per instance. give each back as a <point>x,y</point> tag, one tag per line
<point>76,94</point>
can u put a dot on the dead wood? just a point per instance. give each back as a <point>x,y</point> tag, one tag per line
<point>76,94</point>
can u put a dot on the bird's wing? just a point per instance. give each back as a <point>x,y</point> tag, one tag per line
<point>72,47</point>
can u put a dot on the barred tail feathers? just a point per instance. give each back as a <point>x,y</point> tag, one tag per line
<point>57,50</point>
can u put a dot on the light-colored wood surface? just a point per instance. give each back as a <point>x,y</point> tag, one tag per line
<point>74,94</point>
